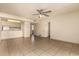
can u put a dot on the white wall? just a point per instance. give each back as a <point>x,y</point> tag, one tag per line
<point>66,27</point>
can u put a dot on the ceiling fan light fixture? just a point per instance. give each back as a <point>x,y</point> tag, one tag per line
<point>42,13</point>
<point>40,16</point>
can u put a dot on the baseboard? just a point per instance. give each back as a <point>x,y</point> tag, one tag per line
<point>65,41</point>
<point>14,38</point>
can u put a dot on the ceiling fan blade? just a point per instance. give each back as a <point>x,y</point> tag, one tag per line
<point>47,11</point>
<point>46,15</point>
<point>35,14</point>
<point>39,11</point>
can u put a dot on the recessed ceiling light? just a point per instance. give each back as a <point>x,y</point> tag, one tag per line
<point>14,21</point>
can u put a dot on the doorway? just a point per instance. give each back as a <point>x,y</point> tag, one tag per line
<point>32,26</point>
<point>32,34</point>
<point>34,31</point>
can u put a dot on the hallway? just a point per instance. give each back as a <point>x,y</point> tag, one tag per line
<point>40,47</point>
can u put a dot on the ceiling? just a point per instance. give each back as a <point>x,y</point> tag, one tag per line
<point>27,9</point>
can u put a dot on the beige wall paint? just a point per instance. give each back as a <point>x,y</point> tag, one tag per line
<point>41,28</point>
<point>66,27</point>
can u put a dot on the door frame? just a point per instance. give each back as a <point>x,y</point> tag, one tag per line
<point>31,32</point>
<point>49,30</point>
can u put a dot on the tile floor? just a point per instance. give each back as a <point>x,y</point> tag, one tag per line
<point>38,47</point>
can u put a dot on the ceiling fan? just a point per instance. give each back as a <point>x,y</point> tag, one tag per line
<point>42,12</point>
